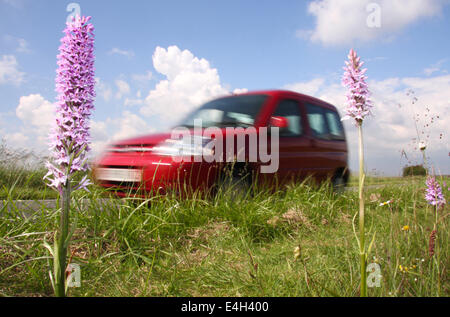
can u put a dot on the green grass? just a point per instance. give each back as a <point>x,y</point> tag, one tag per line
<point>229,247</point>
<point>23,184</point>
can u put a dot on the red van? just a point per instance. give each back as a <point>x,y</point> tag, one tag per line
<point>267,137</point>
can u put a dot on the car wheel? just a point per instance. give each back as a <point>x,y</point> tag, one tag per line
<point>234,185</point>
<point>338,183</point>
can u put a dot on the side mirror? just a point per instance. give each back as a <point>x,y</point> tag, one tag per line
<point>279,122</point>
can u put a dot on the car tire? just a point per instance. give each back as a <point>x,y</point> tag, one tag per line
<point>234,184</point>
<point>338,183</point>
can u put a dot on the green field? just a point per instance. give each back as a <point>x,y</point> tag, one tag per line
<point>223,246</point>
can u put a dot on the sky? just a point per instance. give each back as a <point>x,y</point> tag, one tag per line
<point>158,60</point>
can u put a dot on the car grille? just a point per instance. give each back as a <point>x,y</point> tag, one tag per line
<point>117,183</point>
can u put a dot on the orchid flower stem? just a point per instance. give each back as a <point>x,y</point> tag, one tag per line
<point>425,165</point>
<point>436,256</point>
<point>362,251</point>
<point>61,254</point>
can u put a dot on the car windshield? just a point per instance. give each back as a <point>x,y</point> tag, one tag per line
<point>229,111</point>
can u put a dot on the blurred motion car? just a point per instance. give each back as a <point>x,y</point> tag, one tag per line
<point>310,142</point>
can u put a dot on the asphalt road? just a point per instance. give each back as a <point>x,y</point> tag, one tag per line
<point>30,207</point>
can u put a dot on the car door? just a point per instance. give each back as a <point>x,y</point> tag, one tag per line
<point>294,145</point>
<point>328,142</point>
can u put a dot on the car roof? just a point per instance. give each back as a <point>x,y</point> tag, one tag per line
<point>287,93</point>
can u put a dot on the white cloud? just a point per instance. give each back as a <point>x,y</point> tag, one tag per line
<point>112,129</point>
<point>238,91</point>
<point>9,72</point>
<point>20,45</point>
<point>142,78</point>
<point>344,21</point>
<point>98,130</point>
<point>436,67</point>
<point>431,70</point>
<point>99,135</point>
<point>129,102</point>
<point>308,88</point>
<point>190,82</point>
<point>118,51</point>
<point>130,124</point>
<point>17,140</point>
<point>133,102</point>
<point>391,128</point>
<point>122,87</point>
<point>103,89</point>
<point>34,109</point>
<point>37,114</point>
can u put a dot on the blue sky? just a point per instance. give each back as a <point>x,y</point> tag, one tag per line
<point>156,60</point>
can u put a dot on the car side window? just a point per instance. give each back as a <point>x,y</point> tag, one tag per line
<point>317,123</point>
<point>335,125</point>
<point>290,109</point>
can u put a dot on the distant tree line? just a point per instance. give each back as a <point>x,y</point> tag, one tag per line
<point>416,170</point>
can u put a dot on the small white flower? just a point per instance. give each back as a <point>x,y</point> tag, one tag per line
<point>385,203</point>
<point>422,145</point>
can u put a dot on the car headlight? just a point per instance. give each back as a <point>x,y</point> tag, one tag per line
<point>194,146</point>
